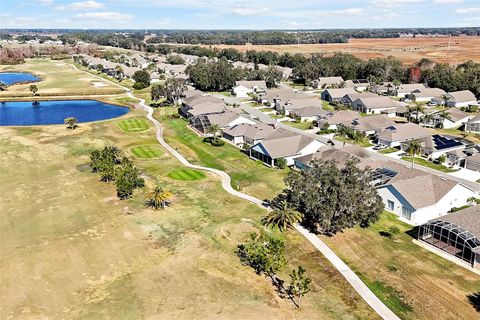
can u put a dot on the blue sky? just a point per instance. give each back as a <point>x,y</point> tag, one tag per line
<point>233,14</point>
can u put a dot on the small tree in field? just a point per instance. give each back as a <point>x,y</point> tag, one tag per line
<point>33,89</point>
<point>299,285</point>
<point>71,122</point>
<point>283,216</point>
<point>158,198</point>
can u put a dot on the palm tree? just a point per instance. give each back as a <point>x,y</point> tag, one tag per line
<point>418,108</point>
<point>444,116</point>
<point>283,217</point>
<point>33,89</point>
<point>427,118</point>
<point>214,129</point>
<point>158,198</point>
<point>71,122</point>
<point>473,201</point>
<point>414,149</point>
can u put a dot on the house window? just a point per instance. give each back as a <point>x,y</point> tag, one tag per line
<point>407,213</point>
<point>390,205</point>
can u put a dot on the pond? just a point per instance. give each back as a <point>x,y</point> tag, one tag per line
<point>28,113</point>
<point>10,78</point>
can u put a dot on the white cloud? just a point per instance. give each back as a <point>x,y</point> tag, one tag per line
<point>248,10</point>
<point>468,10</point>
<point>79,6</point>
<point>105,15</point>
<point>393,3</point>
<point>447,1</point>
<point>45,2</point>
<point>472,19</point>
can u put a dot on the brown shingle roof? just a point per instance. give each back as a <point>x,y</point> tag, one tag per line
<point>468,218</point>
<point>283,143</point>
<point>252,131</point>
<point>462,96</point>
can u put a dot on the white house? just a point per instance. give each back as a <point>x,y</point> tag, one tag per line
<point>332,95</point>
<point>473,125</point>
<point>406,89</point>
<point>428,95</point>
<point>360,85</point>
<point>459,99</point>
<point>376,105</point>
<point>246,133</point>
<point>284,144</point>
<point>243,88</point>
<point>226,119</point>
<point>453,118</point>
<point>395,135</point>
<point>416,196</point>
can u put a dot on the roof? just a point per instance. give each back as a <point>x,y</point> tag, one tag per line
<point>310,112</point>
<point>340,93</point>
<point>329,80</point>
<point>468,218</point>
<point>252,131</point>
<point>283,143</point>
<point>203,104</point>
<point>281,93</point>
<point>475,119</point>
<point>251,84</point>
<point>302,101</point>
<point>456,114</point>
<point>325,153</point>
<point>224,118</point>
<point>354,96</point>
<point>462,96</point>
<point>378,102</point>
<point>342,116</point>
<point>409,87</point>
<point>376,122</point>
<point>405,131</point>
<point>429,92</point>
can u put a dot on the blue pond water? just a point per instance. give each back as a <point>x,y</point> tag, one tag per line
<point>10,78</point>
<point>27,113</point>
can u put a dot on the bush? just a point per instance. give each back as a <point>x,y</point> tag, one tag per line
<point>217,143</point>
<point>281,163</point>
<point>139,85</point>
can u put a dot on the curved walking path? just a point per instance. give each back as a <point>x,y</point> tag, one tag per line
<point>381,309</point>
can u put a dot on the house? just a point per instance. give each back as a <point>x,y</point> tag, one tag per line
<point>327,82</point>
<point>437,145</point>
<point>226,119</point>
<point>398,134</point>
<point>286,72</point>
<point>473,162</point>
<point>406,89</point>
<point>247,134</point>
<point>383,89</point>
<point>459,99</point>
<point>337,95</point>
<point>369,125</point>
<point>310,113</point>
<point>243,88</point>
<point>349,98</point>
<point>275,96</point>
<point>300,101</point>
<point>473,125</point>
<point>434,95</point>
<point>448,119</point>
<point>201,104</point>
<point>332,119</point>
<point>325,153</point>
<point>359,85</point>
<point>456,235</point>
<point>417,196</point>
<point>284,144</point>
<point>376,105</point>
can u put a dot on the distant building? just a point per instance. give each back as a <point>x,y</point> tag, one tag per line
<point>336,95</point>
<point>243,88</point>
<point>459,99</point>
<point>406,89</point>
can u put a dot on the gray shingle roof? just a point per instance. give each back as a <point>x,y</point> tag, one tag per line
<point>462,96</point>
<point>468,218</point>
<point>283,143</point>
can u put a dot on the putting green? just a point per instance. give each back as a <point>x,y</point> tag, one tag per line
<point>147,151</point>
<point>133,125</point>
<point>187,175</point>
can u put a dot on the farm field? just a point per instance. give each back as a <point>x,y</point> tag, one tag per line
<point>413,282</point>
<point>75,251</point>
<point>59,78</point>
<point>408,50</point>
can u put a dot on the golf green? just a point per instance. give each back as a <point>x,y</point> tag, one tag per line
<point>133,125</point>
<point>147,151</point>
<point>187,175</point>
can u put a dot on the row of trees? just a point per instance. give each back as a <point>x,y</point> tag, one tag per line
<point>113,166</point>
<point>171,89</point>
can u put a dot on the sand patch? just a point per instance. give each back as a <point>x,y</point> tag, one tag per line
<point>99,84</point>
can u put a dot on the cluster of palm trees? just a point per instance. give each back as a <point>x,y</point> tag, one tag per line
<point>427,118</point>
<point>350,133</point>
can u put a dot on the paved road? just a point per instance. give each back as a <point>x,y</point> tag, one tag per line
<point>349,275</point>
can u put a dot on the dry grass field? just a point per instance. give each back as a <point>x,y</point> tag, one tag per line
<point>408,50</point>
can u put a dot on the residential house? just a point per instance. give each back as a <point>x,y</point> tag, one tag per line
<point>417,196</point>
<point>359,85</point>
<point>243,88</point>
<point>431,95</point>
<point>370,125</point>
<point>473,125</point>
<point>383,89</point>
<point>247,134</point>
<point>326,153</point>
<point>327,82</point>
<point>459,99</point>
<point>399,134</point>
<point>447,119</point>
<point>336,95</point>
<point>300,101</point>
<point>376,105</point>
<point>311,113</point>
<point>437,145</point>
<point>201,104</point>
<point>349,98</point>
<point>284,144</point>
<point>406,89</point>
<point>333,119</point>
<point>224,120</point>
<point>473,162</point>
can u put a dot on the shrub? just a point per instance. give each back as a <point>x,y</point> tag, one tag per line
<point>217,143</point>
<point>139,86</point>
<point>281,163</point>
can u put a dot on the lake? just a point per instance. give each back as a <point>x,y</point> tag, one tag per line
<point>28,113</point>
<point>10,78</point>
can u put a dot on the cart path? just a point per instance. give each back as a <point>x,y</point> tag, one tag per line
<point>381,309</point>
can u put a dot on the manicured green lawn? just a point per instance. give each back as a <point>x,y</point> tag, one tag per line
<point>364,143</point>
<point>266,109</point>
<point>133,125</point>
<point>299,125</point>
<point>187,175</point>
<point>147,151</point>
<point>388,150</point>
<point>429,164</point>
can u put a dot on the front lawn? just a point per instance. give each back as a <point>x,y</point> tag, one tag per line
<point>428,164</point>
<point>364,143</point>
<point>388,150</point>
<point>299,125</point>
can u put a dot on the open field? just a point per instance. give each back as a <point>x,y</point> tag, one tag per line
<point>415,283</point>
<point>58,79</point>
<point>408,50</point>
<point>75,251</point>
<point>186,175</point>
